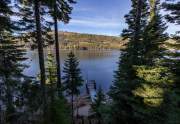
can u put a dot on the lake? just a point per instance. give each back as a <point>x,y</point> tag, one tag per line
<point>94,65</point>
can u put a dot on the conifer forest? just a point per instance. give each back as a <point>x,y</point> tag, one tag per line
<point>72,77</point>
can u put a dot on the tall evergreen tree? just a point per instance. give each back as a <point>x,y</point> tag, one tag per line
<point>36,29</point>
<point>11,67</point>
<point>154,35</point>
<point>58,108</point>
<point>27,24</point>
<point>51,75</point>
<point>60,11</point>
<point>72,79</point>
<point>4,17</point>
<point>173,7</point>
<point>174,17</point>
<point>125,103</point>
<point>155,80</point>
<point>149,91</point>
<point>98,104</point>
<point>172,61</point>
<point>51,87</point>
<point>40,52</point>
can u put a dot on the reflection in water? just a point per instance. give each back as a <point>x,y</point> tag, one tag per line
<point>95,65</point>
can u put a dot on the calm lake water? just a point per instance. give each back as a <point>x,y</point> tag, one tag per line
<point>95,65</point>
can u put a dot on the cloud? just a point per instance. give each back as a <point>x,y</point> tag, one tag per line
<point>96,23</point>
<point>81,9</point>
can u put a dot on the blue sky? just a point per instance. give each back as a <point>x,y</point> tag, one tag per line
<point>100,17</point>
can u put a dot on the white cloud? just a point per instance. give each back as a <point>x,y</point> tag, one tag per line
<point>97,23</point>
<point>85,9</point>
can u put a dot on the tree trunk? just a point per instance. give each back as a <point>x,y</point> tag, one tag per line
<point>138,21</point>
<point>99,121</point>
<point>57,50</point>
<point>10,107</point>
<point>77,107</point>
<point>9,96</point>
<point>136,36</point>
<point>40,52</point>
<point>72,108</point>
<point>82,120</point>
<point>89,119</point>
<point>152,8</point>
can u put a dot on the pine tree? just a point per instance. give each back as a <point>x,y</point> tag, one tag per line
<point>98,104</point>
<point>60,11</point>
<point>50,87</point>
<point>173,7</point>
<point>61,112</point>
<point>172,61</point>
<point>32,99</point>
<point>155,85</point>
<point>11,73</point>
<point>154,79</point>
<point>35,29</point>
<point>11,67</point>
<point>154,35</point>
<point>125,104</point>
<point>51,75</point>
<point>27,24</point>
<point>41,53</point>
<point>58,110</point>
<point>4,17</point>
<point>72,79</point>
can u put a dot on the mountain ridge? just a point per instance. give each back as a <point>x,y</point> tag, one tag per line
<point>74,40</point>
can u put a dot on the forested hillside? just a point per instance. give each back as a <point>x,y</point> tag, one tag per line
<point>69,40</point>
<point>144,88</point>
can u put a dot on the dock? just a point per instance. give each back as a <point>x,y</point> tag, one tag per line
<point>83,103</point>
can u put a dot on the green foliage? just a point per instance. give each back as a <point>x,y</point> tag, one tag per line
<point>174,111</point>
<point>105,111</point>
<point>154,83</point>
<point>5,22</point>
<point>63,11</point>
<point>59,112</point>
<point>11,67</point>
<point>155,87</point>
<point>50,70</point>
<point>136,20</point>
<point>173,7</point>
<point>72,79</point>
<point>32,97</point>
<point>146,87</point>
<point>154,35</point>
<point>90,41</point>
<point>59,10</point>
<point>27,24</point>
<point>142,85</point>
<point>173,17</point>
<point>172,60</point>
<point>99,101</point>
<point>124,101</point>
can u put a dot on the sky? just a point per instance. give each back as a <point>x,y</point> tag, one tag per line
<point>104,17</point>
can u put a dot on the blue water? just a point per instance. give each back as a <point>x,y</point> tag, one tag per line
<point>94,65</point>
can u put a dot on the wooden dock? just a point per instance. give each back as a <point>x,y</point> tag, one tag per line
<point>83,103</point>
<point>91,89</point>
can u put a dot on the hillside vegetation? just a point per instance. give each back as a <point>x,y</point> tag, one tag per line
<point>71,40</point>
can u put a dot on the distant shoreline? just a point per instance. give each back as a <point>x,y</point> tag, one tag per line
<point>81,41</point>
